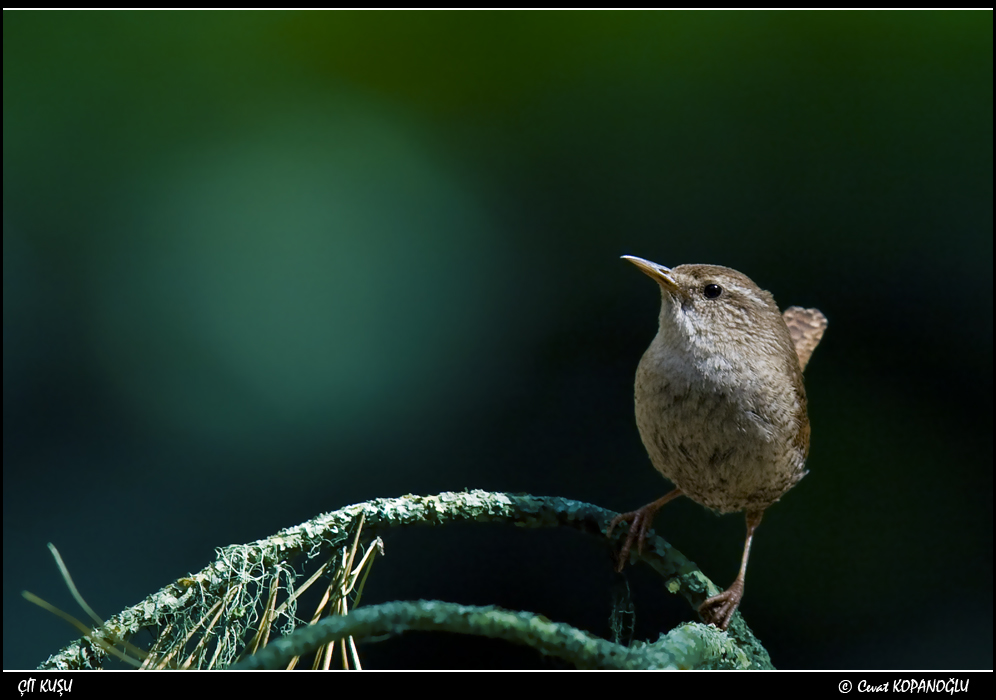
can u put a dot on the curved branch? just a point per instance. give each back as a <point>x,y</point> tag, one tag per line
<point>332,531</point>
<point>689,646</point>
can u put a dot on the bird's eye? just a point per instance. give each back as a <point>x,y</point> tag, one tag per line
<point>711,291</point>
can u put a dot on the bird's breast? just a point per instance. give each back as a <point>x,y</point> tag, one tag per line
<point>727,443</point>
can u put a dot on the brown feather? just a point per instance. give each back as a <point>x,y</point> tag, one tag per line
<point>806,327</point>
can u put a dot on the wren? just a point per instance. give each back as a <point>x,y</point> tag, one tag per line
<point>720,402</point>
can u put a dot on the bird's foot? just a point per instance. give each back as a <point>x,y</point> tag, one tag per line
<point>719,609</point>
<point>639,526</point>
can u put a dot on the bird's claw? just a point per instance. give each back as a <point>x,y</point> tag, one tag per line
<point>718,610</point>
<point>639,527</point>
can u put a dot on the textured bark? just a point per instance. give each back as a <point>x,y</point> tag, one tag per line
<point>240,572</point>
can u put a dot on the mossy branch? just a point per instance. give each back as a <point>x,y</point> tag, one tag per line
<point>240,571</point>
<point>692,645</point>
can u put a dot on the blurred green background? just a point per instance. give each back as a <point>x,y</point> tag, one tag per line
<point>257,266</point>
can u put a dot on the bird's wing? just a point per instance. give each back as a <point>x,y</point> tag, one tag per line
<point>806,327</point>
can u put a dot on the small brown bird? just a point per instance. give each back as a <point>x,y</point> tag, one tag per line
<point>720,402</point>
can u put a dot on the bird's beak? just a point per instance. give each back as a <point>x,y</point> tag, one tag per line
<point>658,273</point>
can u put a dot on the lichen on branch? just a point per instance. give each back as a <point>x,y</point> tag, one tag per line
<point>225,599</point>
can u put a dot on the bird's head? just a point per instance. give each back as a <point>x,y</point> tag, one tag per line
<point>716,310</point>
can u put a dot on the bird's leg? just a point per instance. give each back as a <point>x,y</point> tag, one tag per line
<point>639,525</point>
<point>719,609</point>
